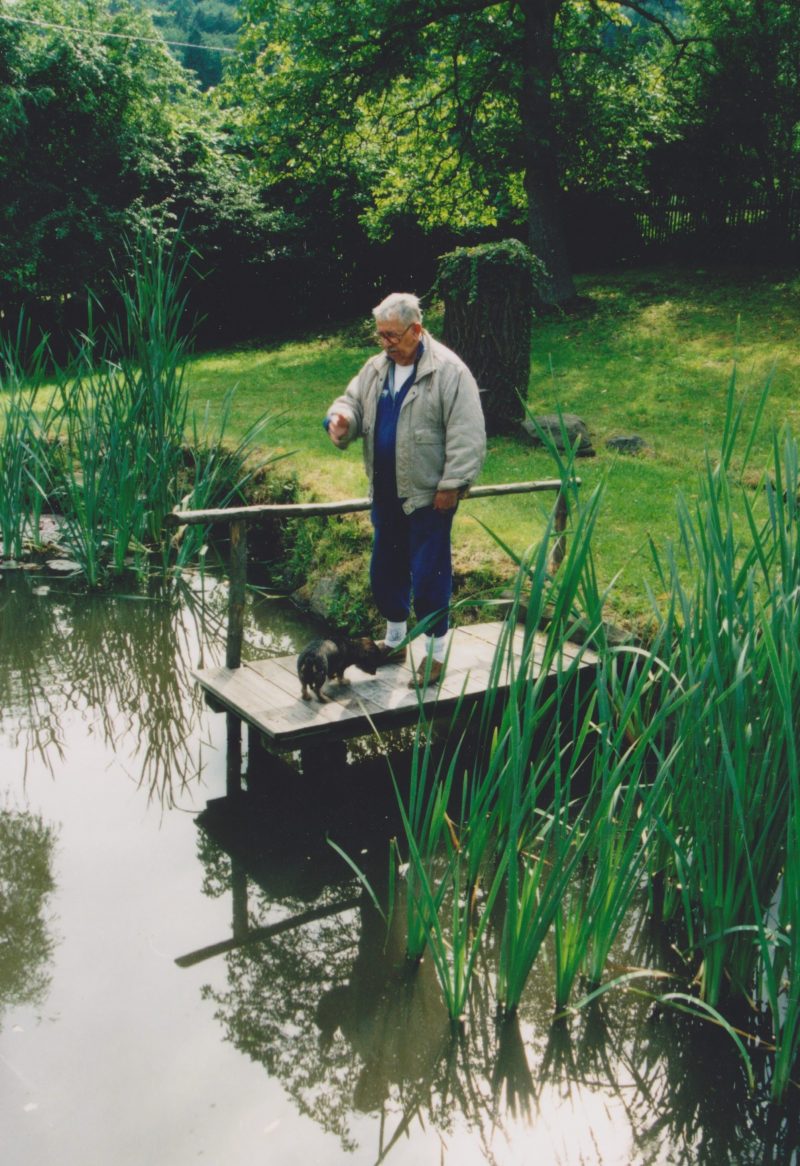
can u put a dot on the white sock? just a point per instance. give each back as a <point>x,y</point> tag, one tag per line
<point>437,645</point>
<point>395,633</point>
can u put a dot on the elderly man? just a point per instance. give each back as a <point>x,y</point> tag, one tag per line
<point>417,408</point>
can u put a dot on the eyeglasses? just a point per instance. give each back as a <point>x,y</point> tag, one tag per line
<point>390,337</point>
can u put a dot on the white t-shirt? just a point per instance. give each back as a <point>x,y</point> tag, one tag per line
<point>401,374</point>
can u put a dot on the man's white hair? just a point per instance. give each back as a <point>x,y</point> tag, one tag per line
<point>401,306</point>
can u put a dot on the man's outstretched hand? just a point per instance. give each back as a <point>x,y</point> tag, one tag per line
<point>338,427</point>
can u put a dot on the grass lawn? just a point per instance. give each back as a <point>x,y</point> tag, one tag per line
<point>652,354</point>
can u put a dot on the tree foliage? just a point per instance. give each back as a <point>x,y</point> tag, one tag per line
<point>459,113</point>
<point>737,103</point>
<point>81,146</point>
<point>101,131</point>
<point>350,143</point>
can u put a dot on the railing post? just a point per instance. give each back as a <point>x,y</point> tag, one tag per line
<point>559,526</point>
<point>236,593</point>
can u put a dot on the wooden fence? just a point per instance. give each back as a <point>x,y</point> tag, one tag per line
<point>238,518</point>
<point>717,225</point>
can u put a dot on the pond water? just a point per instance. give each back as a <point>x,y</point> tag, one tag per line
<point>190,972</point>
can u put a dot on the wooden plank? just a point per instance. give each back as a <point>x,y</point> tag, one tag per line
<point>266,693</point>
<point>360,692</point>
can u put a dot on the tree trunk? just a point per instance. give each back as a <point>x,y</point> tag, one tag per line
<point>546,237</point>
<point>486,293</point>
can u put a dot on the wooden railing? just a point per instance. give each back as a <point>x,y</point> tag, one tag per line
<point>238,518</point>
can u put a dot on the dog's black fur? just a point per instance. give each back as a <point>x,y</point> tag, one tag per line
<point>327,659</point>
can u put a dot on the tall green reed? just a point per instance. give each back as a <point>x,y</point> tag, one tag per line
<point>540,749</point>
<point>150,337</point>
<point>437,880</point>
<point>778,929</point>
<point>87,481</point>
<point>672,768</point>
<point>144,347</point>
<point>631,771</point>
<point>517,836</point>
<point>28,427</point>
<point>508,839</point>
<point>730,825</point>
<point>544,849</point>
<point>729,802</point>
<point>126,460</point>
<point>427,830</point>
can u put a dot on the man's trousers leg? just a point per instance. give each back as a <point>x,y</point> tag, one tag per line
<point>412,553</point>
<point>390,566</point>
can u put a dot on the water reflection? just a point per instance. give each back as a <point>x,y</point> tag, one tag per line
<point>303,978</point>
<point>26,882</point>
<point>329,1008</point>
<point>123,664</point>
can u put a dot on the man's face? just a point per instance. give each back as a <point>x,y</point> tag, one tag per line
<point>399,341</point>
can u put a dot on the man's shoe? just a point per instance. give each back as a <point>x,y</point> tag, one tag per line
<point>390,654</point>
<point>429,672</point>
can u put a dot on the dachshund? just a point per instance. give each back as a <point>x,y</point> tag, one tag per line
<point>326,659</point>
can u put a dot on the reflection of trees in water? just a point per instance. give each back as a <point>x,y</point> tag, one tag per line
<point>26,945</point>
<point>122,663</point>
<point>331,1010</point>
<point>30,632</point>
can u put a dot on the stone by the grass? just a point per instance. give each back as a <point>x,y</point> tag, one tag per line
<point>631,444</point>
<point>558,427</point>
<point>319,598</point>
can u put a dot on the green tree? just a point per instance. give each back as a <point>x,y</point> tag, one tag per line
<point>87,136</point>
<point>100,129</point>
<point>463,113</point>
<point>739,104</point>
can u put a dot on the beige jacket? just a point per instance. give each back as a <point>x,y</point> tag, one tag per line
<point>441,436</point>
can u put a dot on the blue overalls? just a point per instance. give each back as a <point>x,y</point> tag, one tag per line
<point>410,552</point>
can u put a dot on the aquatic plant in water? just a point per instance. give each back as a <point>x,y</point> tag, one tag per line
<point>672,767</point>
<point>733,621</point>
<point>112,447</point>
<point>26,443</point>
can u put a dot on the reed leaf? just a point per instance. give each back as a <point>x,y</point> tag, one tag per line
<point>425,825</point>
<point>28,431</point>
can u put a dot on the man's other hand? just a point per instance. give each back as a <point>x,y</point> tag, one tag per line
<point>445,500</point>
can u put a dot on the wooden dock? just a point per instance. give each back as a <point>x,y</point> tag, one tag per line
<point>266,693</point>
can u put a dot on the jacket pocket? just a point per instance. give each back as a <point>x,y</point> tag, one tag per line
<point>428,437</point>
<point>427,457</point>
